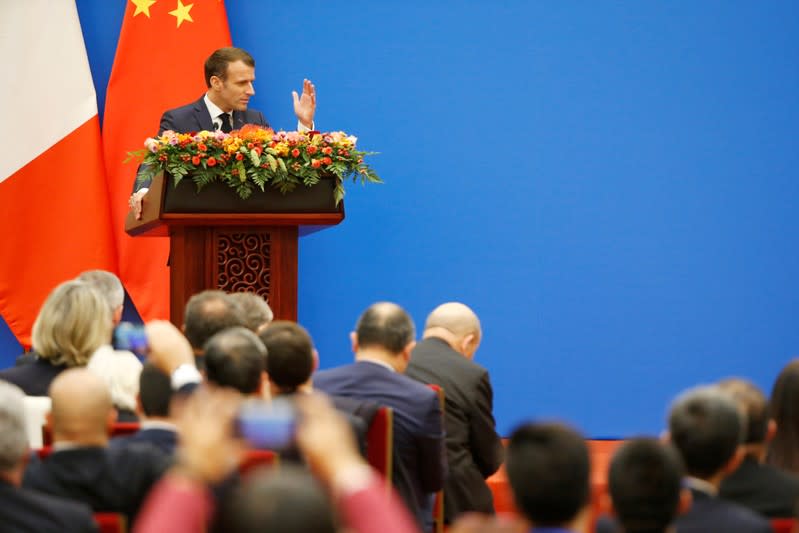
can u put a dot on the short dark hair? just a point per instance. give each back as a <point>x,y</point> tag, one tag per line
<point>706,427</point>
<point>155,391</point>
<point>289,360</point>
<point>217,62</point>
<point>209,312</point>
<point>385,325</point>
<point>548,468</point>
<point>753,402</point>
<point>287,499</point>
<point>234,358</point>
<point>644,480</point>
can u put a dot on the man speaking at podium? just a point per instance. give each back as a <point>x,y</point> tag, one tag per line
<point>229,76</point>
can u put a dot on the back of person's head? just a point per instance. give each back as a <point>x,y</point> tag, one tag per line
<point>548,469</point>
<point>13,439</point>
<point>110,287</point>
<point>706,426</point>
<point>457,322</point>
<point>209,312</point>
<point>82,408</point>
<point>783,450</point>
<point>120,370</point>
<point>257,313</point>
<point>155,392</point>
<point>217,62</point>
<point>644,479</point>
<point>284,500</point>
<point>73,322</point>
<point>235,358</point>
<point>751,401</point>
<point>385,326</point>
<point>290,357</point>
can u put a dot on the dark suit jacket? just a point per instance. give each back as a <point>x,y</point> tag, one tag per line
<point>27,511</point>
<point>419,464</point>
<point>474,450</point>
<point>163,439</point>
<point>762,488</point>
<point>708,514</point>
<point>195,117</point>
<point>34,379</point>
<point>113,479</point>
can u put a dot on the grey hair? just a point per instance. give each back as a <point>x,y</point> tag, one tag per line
<point>107,284</point>
<point>13,438</point>
<point>257,312</point>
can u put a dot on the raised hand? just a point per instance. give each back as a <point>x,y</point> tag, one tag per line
<point>305,105</point>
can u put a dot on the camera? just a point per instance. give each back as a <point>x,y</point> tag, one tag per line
<point>268,425</point>
<point>131,337</point>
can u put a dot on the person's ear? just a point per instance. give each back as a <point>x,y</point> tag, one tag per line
<point>686,501</point>
<point>735,461</point>
<point>354,341</point>
<point>406,352</point>
<point>216,82</point>
<point>117,318</point>
<point>315,365</point>
<point>771,430</point>
<point>665,437</point>
<point>111,419</point>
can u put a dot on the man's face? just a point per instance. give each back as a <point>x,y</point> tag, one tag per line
<point>234,92</point>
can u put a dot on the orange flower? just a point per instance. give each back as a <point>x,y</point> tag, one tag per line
<point>295,152</point>
<point>195,160</point>
<point>311,150</point>
<point>239,156</point>
<point>316,163</point>
<point>211,161</point>
<point>327,150</point>
<point>201,147</point>
<point>326,160</point>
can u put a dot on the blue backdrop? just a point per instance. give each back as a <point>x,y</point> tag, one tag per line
<point>610,185</point>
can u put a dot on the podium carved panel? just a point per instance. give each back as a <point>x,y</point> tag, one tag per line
<point>243,261</point>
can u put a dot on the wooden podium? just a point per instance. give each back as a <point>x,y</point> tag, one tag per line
<point>219,241</point>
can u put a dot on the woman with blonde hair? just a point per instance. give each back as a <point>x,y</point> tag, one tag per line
<point>73,322</point>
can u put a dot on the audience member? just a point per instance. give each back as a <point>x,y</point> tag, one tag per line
<point>783,450</point>
<point>644,480</point>
<point>82,467</point>
<point>707,428</point>
<point>73,323</point>
<point>548,469</point>
<point>120,370</point>
<point>474,449</point>
<point>382,343</point>
<point>157,426</point>
<point>758,486</point>
<point>257,313</point>
<point>22,509</point>
<point>236,358</point>
<point>110,287</point>
<point>207,313</point>
<point>280,501</point>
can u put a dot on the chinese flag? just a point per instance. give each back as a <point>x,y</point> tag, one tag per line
<point>158,65</point>
<point>54,216</point>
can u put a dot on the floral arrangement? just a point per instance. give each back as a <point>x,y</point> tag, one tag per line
<point>254,157</point>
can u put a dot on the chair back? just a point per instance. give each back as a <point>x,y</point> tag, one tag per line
<point>438,504</point>
<point>111,522</point>
<point>380,442</point>
<point>783,525</point>
<point>254,458</point>
<point>117,429</point>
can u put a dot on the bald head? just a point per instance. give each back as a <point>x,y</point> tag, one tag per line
<point>385,326</point>
<point>457,324</point>
<point>82,407</point>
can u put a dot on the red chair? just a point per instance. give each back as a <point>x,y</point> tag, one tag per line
<point>783,525</point>
<point>438,505</point>
<point>256,458</point>
<point>111,522</point>
<point>117,429</point>
<point>380,442</point>
<point>44,452</point>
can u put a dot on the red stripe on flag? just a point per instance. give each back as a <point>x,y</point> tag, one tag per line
<point>55,224</point>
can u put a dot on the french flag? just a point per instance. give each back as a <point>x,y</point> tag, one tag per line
<point>55,218</point>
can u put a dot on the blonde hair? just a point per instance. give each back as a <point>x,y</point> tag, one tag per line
<point>73,322</point>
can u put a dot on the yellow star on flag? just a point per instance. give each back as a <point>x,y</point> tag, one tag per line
<point>142,6</point>
<point>182,13</point>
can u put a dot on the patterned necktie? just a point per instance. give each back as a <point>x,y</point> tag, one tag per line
<point>226,126</point>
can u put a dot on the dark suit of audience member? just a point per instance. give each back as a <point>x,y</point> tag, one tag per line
<point>82,466</point>
<point>382,343</point>
<point>474,449</point>
<point>163,439</point>
<point>23,510</point>
<point>710,513</point>
<point>756,485</point>
<point>33,378</point>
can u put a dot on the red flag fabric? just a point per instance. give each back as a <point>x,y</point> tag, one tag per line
<point>158,66</point>
<point>54,216</point>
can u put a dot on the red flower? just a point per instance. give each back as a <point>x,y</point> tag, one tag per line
<point>311,150</point>
<point>258,150</point>
<point>250,145</point>
<point>239,156</point>
<point>343,152</point>
<point>195,160</point>
<point>316,163</point>
<point>327,150</point>
<point>234,172</point>
<point>295,152</point>
<point>326,160</point>
<point>211,162</point>
<point>201,147</point>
